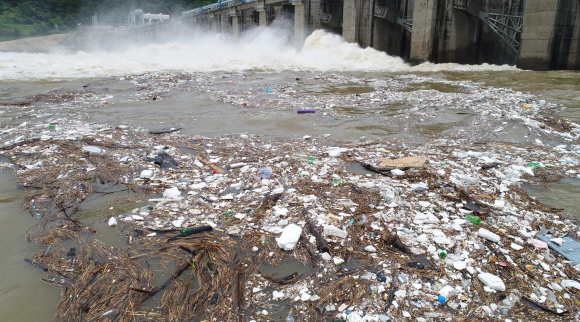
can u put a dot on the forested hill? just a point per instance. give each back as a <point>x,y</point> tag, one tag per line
<point>44,16</point>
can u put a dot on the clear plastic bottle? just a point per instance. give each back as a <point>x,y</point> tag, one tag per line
<point>289,318</point>
<point>263,240</point>
<point>441,253</point>
<point>264,172</point>
<point>365,304</point>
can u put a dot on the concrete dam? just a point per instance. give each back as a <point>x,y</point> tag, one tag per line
<point>532,34</point>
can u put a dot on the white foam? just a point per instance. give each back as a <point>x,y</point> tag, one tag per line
<point>267,49</point>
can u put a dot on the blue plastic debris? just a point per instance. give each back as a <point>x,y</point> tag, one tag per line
<point>570,248</point>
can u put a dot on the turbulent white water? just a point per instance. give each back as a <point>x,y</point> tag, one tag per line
<point>267,49</point>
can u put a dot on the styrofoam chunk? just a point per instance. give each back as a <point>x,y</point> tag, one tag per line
<point>146,174</point>
<point>172,193</point>
<point>331,230</point>
<point>570,283</point>
<point>371,249</point>
<point>289,237</point>
<point>277,295</point>
<point>492,281</point>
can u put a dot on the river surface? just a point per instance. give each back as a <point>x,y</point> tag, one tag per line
<point>23,297</point>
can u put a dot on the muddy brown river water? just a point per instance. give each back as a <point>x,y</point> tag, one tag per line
<point>24,298</point>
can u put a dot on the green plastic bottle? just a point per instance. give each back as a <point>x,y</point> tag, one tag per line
<point>473,219</point>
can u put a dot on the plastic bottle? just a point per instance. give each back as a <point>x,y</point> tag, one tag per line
<point>264,172</point>
<point>488,235</point>
<point>440,252</point>
<point>362,221</point>
<point>365,304</point>
<point>289,318</point>
<point>547,256</point>
<point>473,219</point>
<point>263,241</point>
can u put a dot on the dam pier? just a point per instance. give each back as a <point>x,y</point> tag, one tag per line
<point>532,34</point>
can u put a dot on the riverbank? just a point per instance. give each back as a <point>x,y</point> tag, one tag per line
<point>34,44</point>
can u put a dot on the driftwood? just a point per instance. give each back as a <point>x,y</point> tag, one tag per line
<point>475,208</point>
<point>166,130</point>
<point>290,279</point>
<point>178,271</point>
<point>240,292</point>
<point>391,296</point>
<point>394,240</point>
<point>382,171</point>
<point>313,258</point>
<point>216,168</point>
<point>36,264</point>
<point>191,231</point>
<point>320,242</point>
<point>466,196</point>
<point>489,165</point>
<point>12,146</point>
<point>543,308</point>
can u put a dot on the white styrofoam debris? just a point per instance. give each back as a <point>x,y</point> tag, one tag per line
<point>371,248</point>
<point>488,235</point>
<point>277,295</point>
<point>172,193</point>
<point>146,174</point>
<point>92,150</point>
<point>492,281</point>
<point>289,237</point>
<point>331,230</point>
<point>570,283</point>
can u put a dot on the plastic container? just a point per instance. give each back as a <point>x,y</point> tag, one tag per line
<point>363,220</point>
<point>488,235</point>
<point>289,318</point>
<point>264,173</point>
<point>473,219</point>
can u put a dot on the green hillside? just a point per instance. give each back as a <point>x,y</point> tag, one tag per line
<point>25,18</point>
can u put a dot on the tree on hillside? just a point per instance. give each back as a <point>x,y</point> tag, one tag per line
<point>71,12</point>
